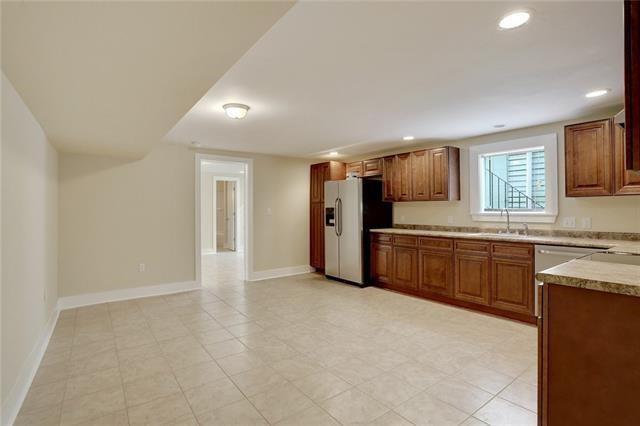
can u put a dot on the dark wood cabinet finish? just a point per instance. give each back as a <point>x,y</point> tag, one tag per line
<point>443,179</point>
<point>626,182</point>
<point>320,173</point>
<point>381,263</point>
<point>372,167</point>
<point>589,346</point>
<point>435,272</point>
<point>405,268</point>
<point>632,83</point>
<point>512,285</point>
<point>472,278</point>
<point>402,177</point>
<point>419,178</point>
<point>588,159</point>
<point>388,179</point>
<point>355,167</point>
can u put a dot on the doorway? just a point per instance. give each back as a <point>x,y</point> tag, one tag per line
<point>222,204</point>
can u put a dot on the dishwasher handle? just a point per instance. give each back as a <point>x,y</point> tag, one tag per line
<point>562,253</point>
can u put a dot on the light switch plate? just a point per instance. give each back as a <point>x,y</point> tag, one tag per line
<point>586,223</point>
<point>569,222</point>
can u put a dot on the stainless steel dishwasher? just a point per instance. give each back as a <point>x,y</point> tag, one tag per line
<point>550,256</point>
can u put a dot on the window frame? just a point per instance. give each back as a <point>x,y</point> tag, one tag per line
<point>549,143</point>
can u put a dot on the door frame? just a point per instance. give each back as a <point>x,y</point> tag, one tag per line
<point>248,216</point>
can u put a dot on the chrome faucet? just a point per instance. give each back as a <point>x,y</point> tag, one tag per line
<point>508,220</point>
<point>525,232</point>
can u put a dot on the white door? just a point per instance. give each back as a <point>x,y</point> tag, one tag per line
<point>230,215</point>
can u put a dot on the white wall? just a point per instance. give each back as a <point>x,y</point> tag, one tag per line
<point>29,241</point>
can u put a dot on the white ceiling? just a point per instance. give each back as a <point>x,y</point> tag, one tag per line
<point>114,77</point>
<point>357,76</point>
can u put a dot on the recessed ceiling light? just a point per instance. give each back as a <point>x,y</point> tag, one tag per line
<point>498,126</point>
<point>596,93</point>
<point>408,138</point>
<point>236,111</point>
<point>514,19</point>
<point>333,154</point>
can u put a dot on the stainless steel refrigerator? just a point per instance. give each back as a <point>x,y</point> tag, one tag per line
<point>352,207</point>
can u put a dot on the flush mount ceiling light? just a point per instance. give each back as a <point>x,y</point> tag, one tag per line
<point>596,93</point>
<point>514,19</point>
<point>333,154</point>
<point>236,111</point>
<point>408,138</point>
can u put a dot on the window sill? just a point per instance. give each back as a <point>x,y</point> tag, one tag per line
<point>515,217</point>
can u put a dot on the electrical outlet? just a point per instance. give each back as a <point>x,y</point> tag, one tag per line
<point>402,218</point>
<point>586,223</point>
<point>142,267</point>
<point>569,222</point>
<point>450,220</point>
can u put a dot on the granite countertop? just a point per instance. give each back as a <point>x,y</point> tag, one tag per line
<point>594,275</point>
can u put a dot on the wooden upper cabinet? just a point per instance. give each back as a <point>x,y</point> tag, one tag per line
<point>355,167</point>
<point>388,186</point>
<point>626,182</point>
<point>372,167</point>
<point>419,178</point>
<point>402,177</point>
<point>588,159</point>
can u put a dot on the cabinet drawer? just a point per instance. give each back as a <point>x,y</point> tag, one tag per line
<point>405,240</point>
<point>381,238</point>
<point>512,250</point>
<point>476,247</point>
<point>436,243</point>
<point>372,167</point>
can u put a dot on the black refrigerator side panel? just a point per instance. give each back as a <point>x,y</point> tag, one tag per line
<point>375,214</point>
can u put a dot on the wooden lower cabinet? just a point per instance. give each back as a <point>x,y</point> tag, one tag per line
<point>405,268</point>
<point>381,263</point>
<point>491,277</point>
<point>435,272</point>
<point>512,285</point>
<point>472,278</point>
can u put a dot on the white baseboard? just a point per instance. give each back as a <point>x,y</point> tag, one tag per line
<point>280,272</point>
<point>69,302</point>
<point>12,403</point>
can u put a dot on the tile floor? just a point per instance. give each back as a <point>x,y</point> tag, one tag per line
<point>293,351</point>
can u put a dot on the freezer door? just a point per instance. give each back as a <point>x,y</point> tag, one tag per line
<point>350,230</point>
<point>331,245</point>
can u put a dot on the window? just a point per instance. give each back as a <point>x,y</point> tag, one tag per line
<point>518,175</point>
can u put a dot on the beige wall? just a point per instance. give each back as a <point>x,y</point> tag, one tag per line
<point>116,214</point>
<point>616,214</point>
<point>29,232</point>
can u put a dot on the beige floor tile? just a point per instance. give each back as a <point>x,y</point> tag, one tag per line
<point>188,357</point>
<point>391,419</point>
<point>472,421</point>
<point>244,329</point>
<point>530,375</point>
<point>93,363</point>
<point>425,409</point>
<point>385,361</point>
<point>230,319</point>
<point>186,420</point>
<point>150,387</point>
<point>139,353</point>
<point>47,416</point>
<point>44,396</point>
<point>239,363</point>
<point>297,367</point>
<point>213,395</point>
<point>52,373</point>
<point>213,336</point>
<point>198,374</point>
<point>484,378</point>
<point>92,382</point>
<point>226,348</point>
<point>312,416</point>
<point>118,418</point>
<point>418,375</point>
<point>280,402</point>
<point>499,412</point>
<point>133,340</point>
<point>159,411</point>
<point>322,385</point>
<point>460,394</point>
<point>353,406</point>
<point>521,393</point>
<point>238,413</point>
<point>257,380</point>
<point>92,406</point>
<point>505,364</point>
<point>389,390</point>
<point>165,333</point>
<point>355,371</point>
<point>137,369</point>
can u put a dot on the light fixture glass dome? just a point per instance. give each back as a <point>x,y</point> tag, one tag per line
<point>514,19</point>
<point>236,111</point>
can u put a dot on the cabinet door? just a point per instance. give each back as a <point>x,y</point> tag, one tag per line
<point>388,180</point>
<point>318,172</point>
<point>317,235</point>
<point>472,278</point>
<point>435,272</point>
<point>588,159</point>
<point>372,167</point>
<point>405,268</point>
<point>627,182</point>
<point>419,172</point>
<point>512,285</point>
<point>381,263</point>
<point>438,168</point>
<point>402,175</point>
<point>355,167</point>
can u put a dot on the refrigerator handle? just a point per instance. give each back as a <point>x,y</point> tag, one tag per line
<point>339,217</point>
<point>335,217</point>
